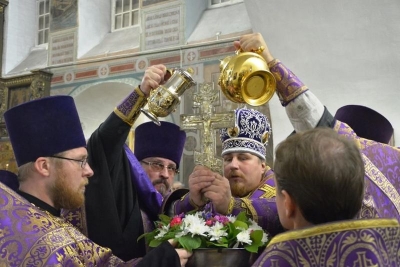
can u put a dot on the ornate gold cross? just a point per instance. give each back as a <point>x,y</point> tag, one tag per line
<point>207,122</point>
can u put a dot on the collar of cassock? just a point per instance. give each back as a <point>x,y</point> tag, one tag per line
<point>40,204</point>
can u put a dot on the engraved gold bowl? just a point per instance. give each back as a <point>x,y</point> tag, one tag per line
<point>245,78</point>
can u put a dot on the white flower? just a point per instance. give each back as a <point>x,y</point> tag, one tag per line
<point>162,231</point>
<point>254,225</point>
<point>180,234</point>
<point>244,236</point>
<point>193,219</point>
<point>231,218</point>
<point>264,238</point>
<point>217,231</point>
<point>195,225</point>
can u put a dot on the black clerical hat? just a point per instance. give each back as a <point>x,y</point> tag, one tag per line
<point>165,141</point>
<point>366,122</point>
<point>44,127</point>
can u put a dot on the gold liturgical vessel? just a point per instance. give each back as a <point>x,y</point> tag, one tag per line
<point>164,99</point>
<point>245,78</point>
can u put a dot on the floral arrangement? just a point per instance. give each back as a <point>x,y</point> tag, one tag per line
<point>207,230</point>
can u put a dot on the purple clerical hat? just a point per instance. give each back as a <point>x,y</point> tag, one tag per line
<point>165,141</point>
<point>250,134</point>
<point>10,179</point>
<point>366,122</point>
<point>44,127</point>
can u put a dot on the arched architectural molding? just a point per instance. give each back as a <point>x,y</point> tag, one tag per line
<point>96,100</point>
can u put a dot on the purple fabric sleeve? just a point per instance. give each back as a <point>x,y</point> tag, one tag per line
<point>288,85</point>
<point>146,191</point>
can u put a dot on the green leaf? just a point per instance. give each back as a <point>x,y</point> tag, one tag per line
<point>189,243</point>
<point>164,218</point>
<point>155,243</point>
<point>142,235</point>
<point>242,217</point>
<point>251,248</point>
<point>148,236</point>
<point>218,245</point>
<point>256,236</point>
<point>240,224</point>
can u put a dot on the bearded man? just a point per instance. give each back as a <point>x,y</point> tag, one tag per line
<point>247,182</point>
<point>50,150</point>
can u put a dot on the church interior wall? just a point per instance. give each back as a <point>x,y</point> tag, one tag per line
<point>193,12</point>
<point>94,21</point>
<point>20,31</point>
<point>221,23</point>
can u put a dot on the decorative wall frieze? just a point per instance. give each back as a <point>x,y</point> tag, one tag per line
<point>188,56</point>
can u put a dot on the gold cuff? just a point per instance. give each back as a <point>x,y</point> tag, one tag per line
<point>129,109</point>
<point>197,207</point>
<point>230,206</point>
<point>273,63</point>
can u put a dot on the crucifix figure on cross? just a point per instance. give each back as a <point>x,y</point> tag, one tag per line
<point>207,123</point>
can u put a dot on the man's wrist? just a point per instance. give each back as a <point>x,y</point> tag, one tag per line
<point>144,93</point>
<point>197,207</point>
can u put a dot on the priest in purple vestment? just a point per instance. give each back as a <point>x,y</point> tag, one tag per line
<point>159,149</point>
<point>50,150</point>
<point>382,174</point>
<point>247,184</point>
<point>305,111</point>
<point>319,178</point>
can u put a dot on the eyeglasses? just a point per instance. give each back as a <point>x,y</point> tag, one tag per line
<point>158,167</point>
<point>82,161</point>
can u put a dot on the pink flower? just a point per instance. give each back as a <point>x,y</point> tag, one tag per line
<point>209,222</point>
<point>176,221</point>
<point>222,219</point>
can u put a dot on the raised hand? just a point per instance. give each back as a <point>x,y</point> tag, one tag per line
<point>254,42</point>
<point>153,77</point>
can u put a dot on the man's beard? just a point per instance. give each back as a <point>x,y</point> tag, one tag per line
<point>163,186</point>
<point>238,189</point>
<point>64,197</point>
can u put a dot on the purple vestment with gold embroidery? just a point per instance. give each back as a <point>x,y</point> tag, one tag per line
<point>371,242</point>
<point>259,205</point>
<point>33,237</point>
<point>382,175</point>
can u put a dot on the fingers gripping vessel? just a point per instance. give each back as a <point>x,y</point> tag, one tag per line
<point>164,99</point>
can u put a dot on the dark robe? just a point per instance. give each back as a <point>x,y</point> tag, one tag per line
<point>113,206</point>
